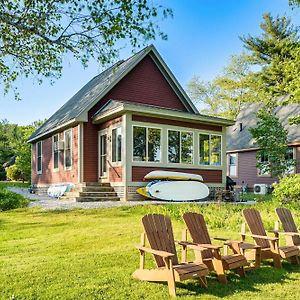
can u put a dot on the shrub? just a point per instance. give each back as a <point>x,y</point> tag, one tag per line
<point>13,173</point>
<point>288,189</point>
<point>9,200</point>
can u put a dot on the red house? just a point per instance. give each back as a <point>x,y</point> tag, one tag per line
<point>132,118</point>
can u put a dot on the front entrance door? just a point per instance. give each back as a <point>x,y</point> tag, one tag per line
<point>102,154</point>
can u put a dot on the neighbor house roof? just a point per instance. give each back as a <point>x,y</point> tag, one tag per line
<point>238,139</point>
<point>118,107</point>
<point>76,109</point>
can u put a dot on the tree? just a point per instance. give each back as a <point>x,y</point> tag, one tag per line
<point>271,138</point>
<point>227,94</point>
<point>35,35</point>
<point>276,54</point>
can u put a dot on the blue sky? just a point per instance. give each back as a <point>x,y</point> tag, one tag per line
<point>202,36</point>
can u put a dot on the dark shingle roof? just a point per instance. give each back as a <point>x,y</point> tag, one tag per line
<point>238,140</point>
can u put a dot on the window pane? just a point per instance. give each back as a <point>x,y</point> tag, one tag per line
<point>290,157</point>
<point>119,144</point>
<point>232,165</point>
<point>114,145</point>
<point>139,143</point>
<point>39,149</point>
<point>55,159</point>
<point>68,157</point>
<point>215,155</point>
<point>204,149</point>
<point>173,146</point>
<point>39,163</point>
<point>186,147</point>
<point>153,144</point>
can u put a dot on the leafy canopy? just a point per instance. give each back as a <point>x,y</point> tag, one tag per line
<point>35,35</point>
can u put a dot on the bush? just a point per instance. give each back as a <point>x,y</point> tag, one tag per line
<point>13,173</point>
<point>288,189</point>
<point>9,200</point>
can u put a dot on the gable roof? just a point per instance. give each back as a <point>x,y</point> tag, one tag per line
<point>75,110</point>
<point>242,140</point>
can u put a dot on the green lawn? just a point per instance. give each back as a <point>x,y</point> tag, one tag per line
<point>90,254</point>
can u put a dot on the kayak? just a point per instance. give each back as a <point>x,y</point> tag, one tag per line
<point>168,175</point>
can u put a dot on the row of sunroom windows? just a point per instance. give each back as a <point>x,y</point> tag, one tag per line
<point>147,143</point>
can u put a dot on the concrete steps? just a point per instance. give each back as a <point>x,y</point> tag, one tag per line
<point>90,192</point>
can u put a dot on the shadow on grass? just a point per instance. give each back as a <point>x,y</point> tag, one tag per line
<point>253,282</point>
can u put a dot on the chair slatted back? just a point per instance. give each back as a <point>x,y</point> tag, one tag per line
<point>286,218</point>
<point>159,232</point>
<point>256,226</point>
<point>198,230</point>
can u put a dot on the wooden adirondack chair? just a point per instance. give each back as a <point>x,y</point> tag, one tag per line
<point>269,245</point>
<point>288,224</point>
<point>212,256</point>
<point>158,230</point>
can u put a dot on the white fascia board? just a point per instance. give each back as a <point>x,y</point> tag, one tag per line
<point>57,128</point>
<point>161,112</point>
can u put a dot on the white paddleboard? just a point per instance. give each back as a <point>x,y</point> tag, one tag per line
<point>178,190</point>
<point>168,175</point>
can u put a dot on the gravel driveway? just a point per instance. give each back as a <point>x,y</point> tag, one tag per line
<point>47,203</point>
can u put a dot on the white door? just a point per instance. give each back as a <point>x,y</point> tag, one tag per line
<point>102,154</point>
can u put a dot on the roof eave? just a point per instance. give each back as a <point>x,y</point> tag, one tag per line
<point>125,107</point>
<point>53,130</point>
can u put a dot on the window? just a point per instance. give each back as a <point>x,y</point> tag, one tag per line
<point>146,144</point>
<point>232,164</point>
<point>116,144</point>
<point>180,147</point>
<point>55,152</point>
<point>210,148</point>
<point>264,163</point>
<point>39,157</point>
<point>204,149</point>
<point>68,149</point>
<point>290,158</point>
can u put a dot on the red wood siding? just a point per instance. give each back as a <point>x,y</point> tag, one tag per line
<point>247,171</point>
<point>144,84</point>
<point>209,176</point>
<point>176,123</point>
<point>90,148</point>
<point>49,176</point>
<point>115,174</point>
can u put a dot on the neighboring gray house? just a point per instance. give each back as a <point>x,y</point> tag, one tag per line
<point>241,149</point>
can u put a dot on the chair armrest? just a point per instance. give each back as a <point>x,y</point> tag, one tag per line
<point>290,233</point>
<point>196,246</point>
<point>220,239</point>
<point>263,237</point>
<point>155,252</point>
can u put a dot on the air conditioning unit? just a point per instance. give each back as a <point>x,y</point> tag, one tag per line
<point>261,189</point>
<point>58,146</point>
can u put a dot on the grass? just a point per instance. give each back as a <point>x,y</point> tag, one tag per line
<point>90,254</point>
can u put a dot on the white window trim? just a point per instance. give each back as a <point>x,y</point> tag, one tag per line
<point>160,151</point>
<point>55,169</point>
<point>116,163</point>
<point>209,154</point>
<point>71,150</point>
<point>37,161</point>
<point>180,162</point>
<point>228,169</point>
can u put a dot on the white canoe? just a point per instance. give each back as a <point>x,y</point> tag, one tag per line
<point>178,190</point>
<point>168,175</point>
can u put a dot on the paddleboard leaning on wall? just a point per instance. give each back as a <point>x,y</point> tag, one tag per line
<point>174,186</point>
